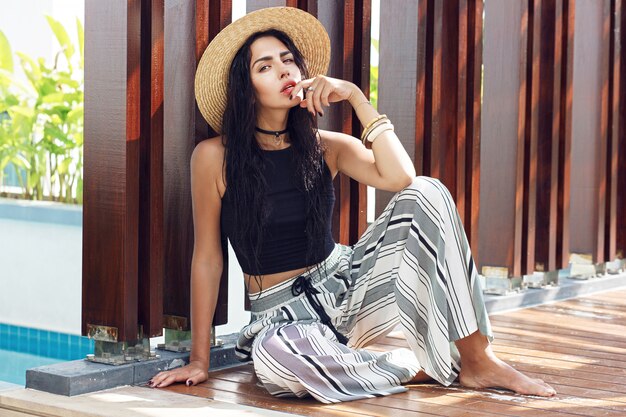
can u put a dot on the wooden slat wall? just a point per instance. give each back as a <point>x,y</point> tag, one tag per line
<point>436,108</point>
<point>552,151</point>
<point>526,136</point>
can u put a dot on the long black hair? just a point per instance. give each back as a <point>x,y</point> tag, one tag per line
<point>244,158</point>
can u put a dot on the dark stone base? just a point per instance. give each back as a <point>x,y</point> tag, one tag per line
<point>83,376</point>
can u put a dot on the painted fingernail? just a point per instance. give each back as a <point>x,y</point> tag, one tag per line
<point>188,383</point>
<point>320,113</point>
<point>290,97</point>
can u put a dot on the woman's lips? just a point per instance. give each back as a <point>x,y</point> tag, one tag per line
<point>287,91</point>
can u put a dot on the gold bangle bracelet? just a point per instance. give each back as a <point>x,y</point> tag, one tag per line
<point>382,116</point>
<point>379,131</point>
<point>369,130</point>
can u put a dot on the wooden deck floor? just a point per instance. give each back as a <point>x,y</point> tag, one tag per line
<point>579,346</point>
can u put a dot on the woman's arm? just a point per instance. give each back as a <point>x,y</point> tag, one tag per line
<point>206,263</point>
<point>386,166</point>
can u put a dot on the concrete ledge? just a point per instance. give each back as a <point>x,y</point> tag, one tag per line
<point>41,211</point>
<point>82,376</point>
<point>567,288</point>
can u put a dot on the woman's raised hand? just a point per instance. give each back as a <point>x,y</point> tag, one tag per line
<point>191,374</point>
<point>320,91</point>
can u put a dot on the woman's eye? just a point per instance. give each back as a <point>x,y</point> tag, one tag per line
<point>288,60</point>
<point>263,68</point>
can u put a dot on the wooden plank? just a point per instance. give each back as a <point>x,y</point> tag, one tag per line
<point>423,57</point>
<point>565,136</point>
<point>610,246</point>
<point>473,114</point>
<point>179,138</point>
<point>462,112</point>
<point>532,138</point>
<point>620,91</point>
<point>588,158</point>
<point>546,158</point>
<point>400,100</point>
<point>501,160</point>
<point>520,262</point>
<point>212,16</point>
<point>586,367</point>
<point>151,237</point>
<point>111,158</point>
<point>356,68</point>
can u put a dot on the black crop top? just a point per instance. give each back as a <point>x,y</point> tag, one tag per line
<point>284,243</point>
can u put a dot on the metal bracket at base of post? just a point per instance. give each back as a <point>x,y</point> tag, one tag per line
<point>180,340</point>
<point>109,351</point>
<point>496,281</point>
<point>541,279</point>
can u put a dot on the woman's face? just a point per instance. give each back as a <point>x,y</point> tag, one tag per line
<point>273,72</point>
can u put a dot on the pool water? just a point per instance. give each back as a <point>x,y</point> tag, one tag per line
<point>22,348</point>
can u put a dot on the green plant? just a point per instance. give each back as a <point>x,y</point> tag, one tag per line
<point>374,78</point>
<point>41,121</point>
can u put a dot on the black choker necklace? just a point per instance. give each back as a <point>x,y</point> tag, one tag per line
<point>276,133</point>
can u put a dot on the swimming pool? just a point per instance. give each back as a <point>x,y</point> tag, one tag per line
<point>22,348</point>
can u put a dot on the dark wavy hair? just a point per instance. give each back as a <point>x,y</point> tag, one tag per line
<point>244,159</point>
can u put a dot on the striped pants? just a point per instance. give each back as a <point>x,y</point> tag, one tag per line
<point>412,267</point>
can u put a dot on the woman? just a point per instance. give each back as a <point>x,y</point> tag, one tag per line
<point>266,183</point>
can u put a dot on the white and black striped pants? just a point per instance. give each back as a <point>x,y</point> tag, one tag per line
<point>413,267</point>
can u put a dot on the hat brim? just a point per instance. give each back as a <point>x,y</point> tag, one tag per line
<point>211,82</point>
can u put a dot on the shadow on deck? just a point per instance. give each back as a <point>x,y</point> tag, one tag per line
<point>577,345</point>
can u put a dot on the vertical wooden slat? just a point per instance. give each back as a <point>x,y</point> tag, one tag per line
<point>356,68</point>
<point>421,84</point>
<point>111,170</point>
<point>589,129</point>
<point>602,179</point>
<point>501,170</point>
<point>211,17</point>
<point>473,114</point>
<point>402,58</point>
<point>150,271</point>
<point>610,246</point>
<point>462,96</point>
<point>531,151</point>
<point>557,93</point>
<point>432,149</point>
<point>565,136</point>
<point>519,251</point>
<point>620,115</point>
<point>179,138</point>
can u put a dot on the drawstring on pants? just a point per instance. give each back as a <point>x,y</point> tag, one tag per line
<point>302,284</point>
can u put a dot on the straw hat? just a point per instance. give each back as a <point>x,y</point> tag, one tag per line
<point>306,32</point>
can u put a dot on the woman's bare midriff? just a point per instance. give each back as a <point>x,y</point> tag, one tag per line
<point>271,279</point>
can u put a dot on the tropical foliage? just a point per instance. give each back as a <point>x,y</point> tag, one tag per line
<point>41,120</point>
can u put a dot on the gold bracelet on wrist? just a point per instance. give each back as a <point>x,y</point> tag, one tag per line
<point>369,125</point>
<point>375,133</point>
<point>372,127</point>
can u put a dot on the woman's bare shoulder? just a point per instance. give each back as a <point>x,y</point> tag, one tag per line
<point>208,151</point>
<point>207,163</point>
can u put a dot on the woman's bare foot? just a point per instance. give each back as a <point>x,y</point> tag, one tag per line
<point>496,373</point>
<point>480,368</point>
